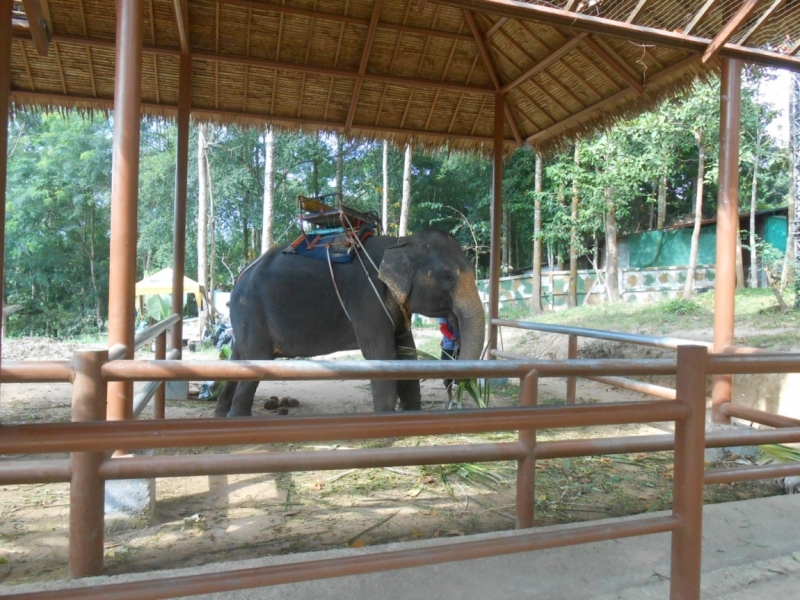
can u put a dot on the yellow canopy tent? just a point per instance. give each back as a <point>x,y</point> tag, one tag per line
<point>161,283</point>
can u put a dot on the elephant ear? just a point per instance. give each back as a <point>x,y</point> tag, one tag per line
<point>396,272</point>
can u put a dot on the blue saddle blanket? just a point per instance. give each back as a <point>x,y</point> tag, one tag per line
<point>320,243</point>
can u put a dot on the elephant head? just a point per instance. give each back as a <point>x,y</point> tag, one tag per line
<point>429,274</point>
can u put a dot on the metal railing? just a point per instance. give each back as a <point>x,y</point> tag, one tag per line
<point>667,343</point>
<point>89,439</point>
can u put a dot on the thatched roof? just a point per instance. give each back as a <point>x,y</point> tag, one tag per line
<point>402,69</point>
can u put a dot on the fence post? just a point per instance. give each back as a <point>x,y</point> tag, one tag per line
<point>687,491</point>
<point>87,490</point>
<point>161,392</point>
<point>572,353</point>
<point>526,468</point>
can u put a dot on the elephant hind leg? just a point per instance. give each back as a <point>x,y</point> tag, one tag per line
<point>242,404</point>
<point>225,398</point>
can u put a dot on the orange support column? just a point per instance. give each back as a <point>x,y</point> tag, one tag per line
<point>727,225</point>
<point>5,92</point>
<point>125,195</point>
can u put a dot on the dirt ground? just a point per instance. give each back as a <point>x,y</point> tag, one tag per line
<point>199,520</point>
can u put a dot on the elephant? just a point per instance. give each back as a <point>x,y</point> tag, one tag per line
<point>292,306</point>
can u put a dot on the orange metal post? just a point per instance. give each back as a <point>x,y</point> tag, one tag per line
<point>727,226</point>
<point>497,218</point>
<point>161,393</point>
<point>5,92</point>
<point>572,353</point>
<point>687,494</point>
<point>526,467</point>
<point>87,489</point>
<point>124,194</point>
<point>181,175</point>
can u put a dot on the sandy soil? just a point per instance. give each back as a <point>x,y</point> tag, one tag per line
<point>203,519</point>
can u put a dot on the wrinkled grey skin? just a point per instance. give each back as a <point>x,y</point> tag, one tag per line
<point>285,305</point>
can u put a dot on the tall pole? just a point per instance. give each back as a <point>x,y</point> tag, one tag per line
<point>124,195</point>
<point>794,145</point>
<point>727,225</point>
<point>497,217</point>
<point>5,93</point>
<point>181,177</point>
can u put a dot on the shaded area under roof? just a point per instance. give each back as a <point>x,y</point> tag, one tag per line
<point>403,69</point>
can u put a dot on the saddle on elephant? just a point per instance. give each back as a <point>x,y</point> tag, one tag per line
<point>331,233</point>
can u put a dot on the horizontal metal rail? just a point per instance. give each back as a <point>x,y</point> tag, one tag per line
<point>152,332</point>
<point>667,343</point>
<point>242,579</point>
<point>750,473</point>
<point>58,471</point>
<point>39,371</point>
<point>182,433</point>
<point>306,370</point>
<point>659,391</point>
<point>143,397</point>
<point>118,352</point>
<point>758,416</point>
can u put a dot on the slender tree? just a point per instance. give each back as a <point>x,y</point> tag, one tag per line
<point>202,207</point>
<point>536,291</point>
<point>688,286</point>
<point>269,190</point>
<point>612,260</point>
<point>662,202</point>
<point>404,208</point>
<point>385,203</point>
<point>573,239</point>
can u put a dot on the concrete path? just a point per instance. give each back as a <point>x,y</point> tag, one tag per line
<point>751,550</point>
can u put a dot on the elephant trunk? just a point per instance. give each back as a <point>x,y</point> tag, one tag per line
<point>468,309</point>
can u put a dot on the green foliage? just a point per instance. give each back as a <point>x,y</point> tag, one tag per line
<point>680,306</point>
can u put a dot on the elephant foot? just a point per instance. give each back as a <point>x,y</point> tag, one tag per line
<point>240,413</point>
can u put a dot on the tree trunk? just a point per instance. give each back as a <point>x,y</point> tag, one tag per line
<point>212,233</point>
<point>788,257</point>
<point>506,242</point>
<point>404,207</point>
<point>93,274</point>
<point>739,263</point>
<point>612,256</point>
<point>339,165</point>
<point>269,185</point>
<point>536,292</point>
<point>753,206</point>
<point>202,208</point>
<point>572,300</point>
<point>385,204</point>
<point>662,202</point>
<point>698,216</point>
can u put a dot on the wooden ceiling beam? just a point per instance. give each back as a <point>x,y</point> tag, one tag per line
<point>613,64</point>
<point>548,60</point>
<point>761,20</point>
<point>25,97</point>
<point>699,15</point>
<point>609,27</point>
<point>362,69</point>
<point>40,29</point>
<point>290,10</point>
<point>611,101</point>
<point>236,59</point>
<point>490,67</point>
<point>182,18</point>
<point>729,29</point>
<point>635,12</point>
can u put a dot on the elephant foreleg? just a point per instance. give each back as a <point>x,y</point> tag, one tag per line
<point>407,389</point>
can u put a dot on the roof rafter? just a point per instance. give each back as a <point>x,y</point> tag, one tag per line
<point>761,20</point>
<point>490,67</point>
<point>182,18</point>
<point>152,39</point>
<point>362,69</point>
<point>613,64</point>
<point>731,27</point>
<point>237,59</point>
<point>635,12</point>
<point>548,60</point>
<point>609,27</point>
<point>108,104</point>
<point>699,15</point>
<point>290,10</point>
<point>421,61</point>
<point>40,29</point>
